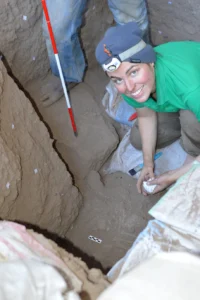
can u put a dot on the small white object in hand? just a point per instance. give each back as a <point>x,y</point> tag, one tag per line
<point>8,185</point>
<point>149,188</point>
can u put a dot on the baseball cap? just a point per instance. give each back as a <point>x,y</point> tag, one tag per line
<point>123,43</point>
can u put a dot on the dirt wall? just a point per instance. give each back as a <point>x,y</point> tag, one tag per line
<point>35,186</point>
<point>21,40</point>
<point>174,20</point>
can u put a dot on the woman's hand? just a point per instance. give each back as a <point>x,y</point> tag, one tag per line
<point>145,175</point>
<point>163,181</point>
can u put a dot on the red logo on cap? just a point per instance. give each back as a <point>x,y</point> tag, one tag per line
<point>106,50</point>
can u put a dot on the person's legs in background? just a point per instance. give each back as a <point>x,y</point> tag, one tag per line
<point>66,18</point>
<point>131,10</point>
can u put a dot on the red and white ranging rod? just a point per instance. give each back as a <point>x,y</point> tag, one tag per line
<point>55,50</point>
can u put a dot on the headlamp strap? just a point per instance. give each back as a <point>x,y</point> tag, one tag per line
<point>132,51</point>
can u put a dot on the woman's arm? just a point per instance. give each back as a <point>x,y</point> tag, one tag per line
<point>147,121</point>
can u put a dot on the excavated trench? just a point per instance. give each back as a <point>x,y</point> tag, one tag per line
<point>36,178</point>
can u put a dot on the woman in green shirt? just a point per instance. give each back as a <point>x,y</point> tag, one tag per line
<point>163,84</point>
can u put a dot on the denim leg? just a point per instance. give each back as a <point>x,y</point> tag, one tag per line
<point>125,11</point>
<point>66,18</point>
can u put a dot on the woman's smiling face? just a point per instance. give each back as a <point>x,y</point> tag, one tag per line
<point>134,80</point>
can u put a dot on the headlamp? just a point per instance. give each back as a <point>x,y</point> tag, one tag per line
<point>113,65</point>
<point>124,56</point>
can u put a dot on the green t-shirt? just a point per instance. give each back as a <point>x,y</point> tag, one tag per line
<point>177,71</point>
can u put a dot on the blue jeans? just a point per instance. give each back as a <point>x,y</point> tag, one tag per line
<point>66,18</point>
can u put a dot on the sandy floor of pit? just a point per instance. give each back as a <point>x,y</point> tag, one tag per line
<point>113,211</point>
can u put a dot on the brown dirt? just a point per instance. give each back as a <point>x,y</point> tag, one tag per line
<point>35,184</point>
<point>174,20</point>
<point>21,39</point>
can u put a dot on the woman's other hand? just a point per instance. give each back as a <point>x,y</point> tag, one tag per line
<point>162,182</point>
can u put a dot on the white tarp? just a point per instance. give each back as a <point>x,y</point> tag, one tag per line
<point>180,207</point>
<point>30,270</point>
<point>31,280</point>
<point>126,157</point>
<point>167,276</point>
